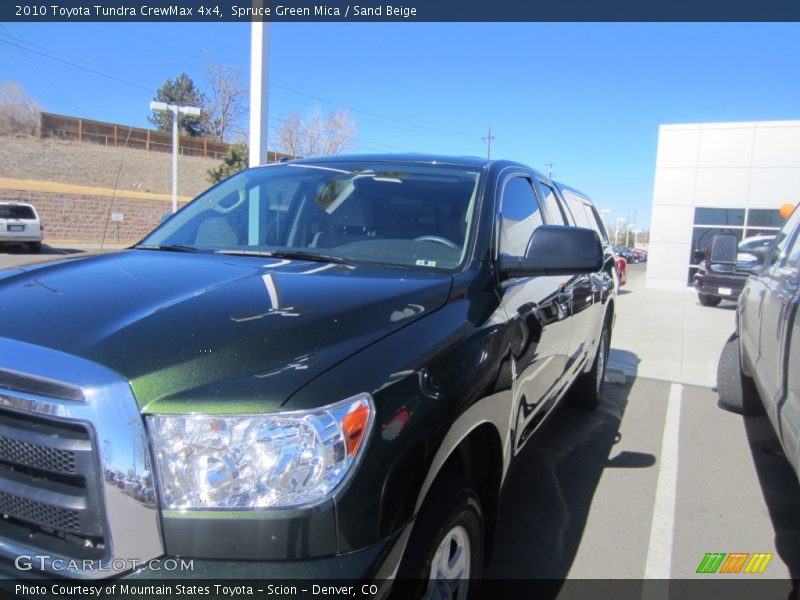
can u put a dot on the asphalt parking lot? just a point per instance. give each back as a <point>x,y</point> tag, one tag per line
<point>13,255</point>
<point>658,476</point>
<point>654,479</point>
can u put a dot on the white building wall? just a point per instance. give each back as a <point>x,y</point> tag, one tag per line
<point>715,165</point>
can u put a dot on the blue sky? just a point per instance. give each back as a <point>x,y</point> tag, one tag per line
<point>587,97</point>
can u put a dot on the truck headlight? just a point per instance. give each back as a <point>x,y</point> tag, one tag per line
<point>279,460</point>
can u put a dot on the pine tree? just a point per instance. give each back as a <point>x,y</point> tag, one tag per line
<point>184,92</point>
<point>234,161</point>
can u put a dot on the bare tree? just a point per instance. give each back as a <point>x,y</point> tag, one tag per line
<point>315,136</point>
<point>19,112</point>
<point>227,102</point>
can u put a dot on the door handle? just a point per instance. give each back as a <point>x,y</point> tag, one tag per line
<point>564,297</point>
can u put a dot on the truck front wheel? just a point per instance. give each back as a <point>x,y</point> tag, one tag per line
<point>737,392</point>
<point>707,300</point>
<point>445,549</point>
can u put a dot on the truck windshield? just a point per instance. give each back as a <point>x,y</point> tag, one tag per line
<point>400,214</point>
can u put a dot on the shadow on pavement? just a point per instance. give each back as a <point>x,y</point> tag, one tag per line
<point>24,249</point>
<point>624,361</point>
<point>550,487</point>
<point>780,488</point>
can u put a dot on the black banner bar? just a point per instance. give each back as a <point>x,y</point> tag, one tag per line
<point>711,587</point>
<point>397,10</point>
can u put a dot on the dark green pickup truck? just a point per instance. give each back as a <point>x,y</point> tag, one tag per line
<point>321,368</point>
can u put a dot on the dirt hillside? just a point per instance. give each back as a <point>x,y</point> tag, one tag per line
<point>93,165</point>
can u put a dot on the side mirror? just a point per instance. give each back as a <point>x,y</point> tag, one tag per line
<point>556,250</point>
<point>757,258</point>
<point>723,249</point>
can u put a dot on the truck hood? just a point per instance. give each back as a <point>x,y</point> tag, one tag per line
<point>206,332</point>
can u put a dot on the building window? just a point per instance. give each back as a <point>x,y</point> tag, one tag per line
<point>760,217</point>
<point>719,216</point>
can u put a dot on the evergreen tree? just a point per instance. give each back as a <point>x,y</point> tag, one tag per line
<point>234,161</point>
<point>184,92</point>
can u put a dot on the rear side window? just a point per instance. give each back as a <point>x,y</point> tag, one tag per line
<point>16,211</point>
<point>575,206</point>
<point>585,215</point>
<point>591,212</point>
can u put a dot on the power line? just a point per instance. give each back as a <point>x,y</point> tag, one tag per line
<point>376,115</point>
<point>76,66</point>
<point>46,50</point>
<point>276,125</point>
<point>43,74</point>
<point>149,50</point>
<point>125,79</point>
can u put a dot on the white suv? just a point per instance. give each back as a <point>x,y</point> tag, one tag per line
<point>20,224</point>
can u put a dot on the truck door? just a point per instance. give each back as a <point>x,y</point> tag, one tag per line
<point>779,280</point>
<point>537,310</point>
<point>781,331</point>
<point>586,290</point>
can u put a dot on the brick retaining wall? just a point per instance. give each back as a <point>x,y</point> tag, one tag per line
<point>84,218</point>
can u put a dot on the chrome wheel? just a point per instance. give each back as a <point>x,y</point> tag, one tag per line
<point>449,576</point>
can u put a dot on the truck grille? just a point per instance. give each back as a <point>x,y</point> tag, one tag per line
<point>50,494</point>
<point>40,457</point>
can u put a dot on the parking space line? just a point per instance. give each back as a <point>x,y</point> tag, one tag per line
<point>659,550</point>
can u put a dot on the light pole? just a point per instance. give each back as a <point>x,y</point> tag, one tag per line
<point>176,110</point>
<point>619,223</point>
<point>603,213</point>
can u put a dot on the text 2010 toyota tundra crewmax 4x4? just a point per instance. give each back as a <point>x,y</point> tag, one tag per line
<point>320,368</point>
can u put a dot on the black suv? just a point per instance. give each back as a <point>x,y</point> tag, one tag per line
<point>760,365</point>
<point>331,359</point>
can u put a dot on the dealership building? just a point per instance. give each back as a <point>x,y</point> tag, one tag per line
<point>714,177</point>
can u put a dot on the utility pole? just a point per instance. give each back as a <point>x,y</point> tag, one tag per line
<point>489,137</point>
<point>550,169</point>
<point>176,110</point>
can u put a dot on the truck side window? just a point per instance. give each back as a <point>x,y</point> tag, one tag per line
<point>520,216</point>
<point>554,209</point>
<point>793,254</point>
<point>575,206</point>
<point>597,222</point>
<point>778,250</point>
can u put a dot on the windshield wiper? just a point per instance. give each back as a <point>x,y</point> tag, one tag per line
<point>169,248</point>
<point>290,254</point>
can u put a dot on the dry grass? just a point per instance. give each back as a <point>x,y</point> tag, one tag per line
<point>89,164</point>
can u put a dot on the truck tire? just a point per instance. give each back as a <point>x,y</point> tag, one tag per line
<point>737,392</point>
<point>588,388</point>
<point>706,300</point>
<point>445,549</point>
